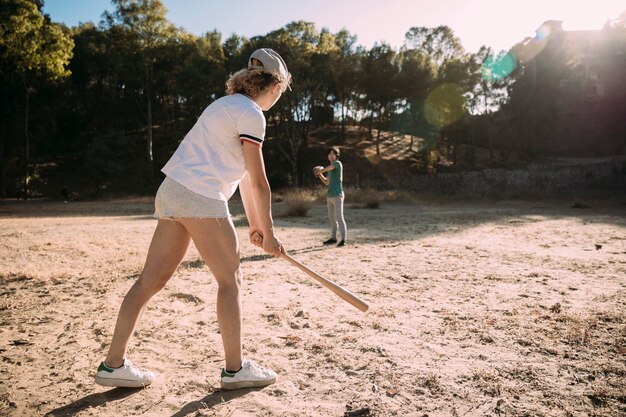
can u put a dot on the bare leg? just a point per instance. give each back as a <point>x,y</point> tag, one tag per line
<point>167,249</point>
<point>217,243</point>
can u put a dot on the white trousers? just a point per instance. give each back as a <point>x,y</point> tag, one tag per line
<point>335,217</point>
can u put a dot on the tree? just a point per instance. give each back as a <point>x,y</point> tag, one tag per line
<point>34,51</point>
<point>146,20</point>
<point>301,46</point>
<point>378,84</point>
<point>454,75</point>
<point>189,75</point>
<point>490,76</point>
<point>345,66</point>
<point>439,43</point>
<point>415,80</point>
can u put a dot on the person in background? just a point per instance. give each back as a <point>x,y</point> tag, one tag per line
<point>334,196</point>
<point>221,152</point>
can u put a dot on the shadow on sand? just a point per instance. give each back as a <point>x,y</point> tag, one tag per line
<point>116,394</point>
<point>92,401</point>
<point>213,399</point>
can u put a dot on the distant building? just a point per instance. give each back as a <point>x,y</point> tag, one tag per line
<point>583,71</point>
<point>587,63</point>
<point>584,50</point>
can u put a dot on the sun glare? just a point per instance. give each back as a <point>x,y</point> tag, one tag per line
<point>444,105</point>
<point>571,17</point>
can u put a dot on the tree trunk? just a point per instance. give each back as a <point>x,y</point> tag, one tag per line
<point>344,114</point>
<point>27,139</point>
<point>150,139</point>
<point>294,173</point>
<point>3,168</point>
<point>380,126</point>
<point>149,113</point>
<point>290,151</point>
<point>294,163</point>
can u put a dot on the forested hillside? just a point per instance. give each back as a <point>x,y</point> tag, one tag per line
<point>100,107</point>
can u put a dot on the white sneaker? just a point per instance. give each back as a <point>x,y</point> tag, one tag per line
<point>128,375</point>
<point>250,375</point>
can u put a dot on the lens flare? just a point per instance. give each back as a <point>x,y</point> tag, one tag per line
<point>543,32</point>
<point>499,67</point>
<point>444,105</point>
<point>502,65</point>
<point>529,48</point>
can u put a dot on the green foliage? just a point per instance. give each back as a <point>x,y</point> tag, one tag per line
<point>145,19</point>
<point>31,47</point>
<point>438,43</point>
<point>308,53</point>
<point>33,52</point>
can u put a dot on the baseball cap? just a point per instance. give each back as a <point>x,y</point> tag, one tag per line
<point>272,62</point>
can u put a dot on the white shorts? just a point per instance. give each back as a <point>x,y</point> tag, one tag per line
<point>174,201</point>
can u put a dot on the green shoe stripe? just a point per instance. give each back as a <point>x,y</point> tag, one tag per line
<point>227,374</point>
<point>105,368</point>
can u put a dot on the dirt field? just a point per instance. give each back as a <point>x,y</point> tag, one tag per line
<point>476,309</point>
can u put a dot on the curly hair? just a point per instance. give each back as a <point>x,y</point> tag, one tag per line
<point>252,82</point>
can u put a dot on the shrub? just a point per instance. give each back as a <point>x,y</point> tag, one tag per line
<point>368,197</point>
<point>297,202</point>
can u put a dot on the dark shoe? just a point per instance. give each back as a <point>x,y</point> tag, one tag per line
<point>330,241</point>
<point>341,243</point>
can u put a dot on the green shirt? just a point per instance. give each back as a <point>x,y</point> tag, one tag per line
<point>335,177</point>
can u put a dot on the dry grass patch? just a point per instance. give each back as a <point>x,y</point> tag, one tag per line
<point>297,202</point>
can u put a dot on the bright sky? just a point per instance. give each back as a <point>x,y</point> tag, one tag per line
<point>498,24</point>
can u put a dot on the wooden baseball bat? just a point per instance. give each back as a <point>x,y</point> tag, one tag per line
<point>340,291</point>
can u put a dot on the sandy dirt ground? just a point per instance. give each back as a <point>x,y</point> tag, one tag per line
<point>477,308</point>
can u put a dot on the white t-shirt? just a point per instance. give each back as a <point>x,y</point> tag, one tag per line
<point>209,161</point>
